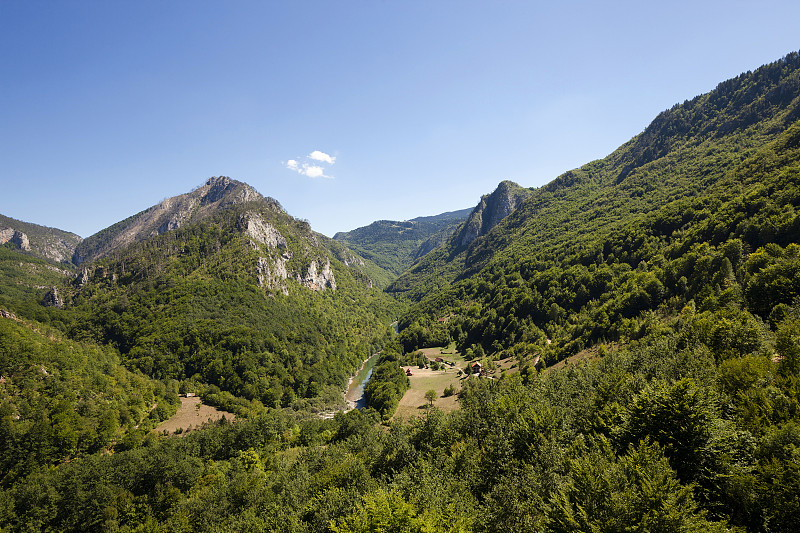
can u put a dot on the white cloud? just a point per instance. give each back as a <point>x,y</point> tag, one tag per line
<point>316,155</point>
<point>313,171</point>
<point>310,169</point>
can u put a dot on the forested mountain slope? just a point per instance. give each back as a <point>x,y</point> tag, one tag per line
<point>396,245</point>
<point>699,208</point>
<point>248,300</point>
<point>61,398</point>
<point>240,303</point>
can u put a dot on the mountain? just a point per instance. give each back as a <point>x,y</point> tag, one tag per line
<point>441,265</point>
<point>218,292</point>
<point>216,194</point>
<point>700,208</point>
<point>221,287</point>
<point>219,195</point>
<point>491,210</point>
<point>396,245</point>
<point>39,241</point>
<point>637,321</point>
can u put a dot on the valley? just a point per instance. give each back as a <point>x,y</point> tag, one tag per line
<point>624,340</point>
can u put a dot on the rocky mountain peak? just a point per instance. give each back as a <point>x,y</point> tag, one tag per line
<point>217,193</point>
<point>491,210</point>
<point>224,189</point>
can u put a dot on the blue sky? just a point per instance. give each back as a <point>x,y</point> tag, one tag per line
<point>344,111</point>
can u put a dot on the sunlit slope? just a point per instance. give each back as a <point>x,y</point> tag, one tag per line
<point>648,228</point>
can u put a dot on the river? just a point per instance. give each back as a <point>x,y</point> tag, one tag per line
<point>355,389</point>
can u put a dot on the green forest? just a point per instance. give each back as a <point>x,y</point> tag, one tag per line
<point>649,303</point>
<point>396,245</point>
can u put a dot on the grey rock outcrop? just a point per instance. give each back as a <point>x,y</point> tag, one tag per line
<point>53,299</point>
<point>319,276</point>
<point>261,231</point>
<point>21,240</point>
<point>272,273</point>
<point>82,278</point>
<point>491,210</point>
<point>15,237</point>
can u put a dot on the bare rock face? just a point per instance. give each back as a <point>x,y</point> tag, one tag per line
<point>261,231</point>
<point>21,240</point>
<point>272,273</point>
<point>53,299</point>
<point>318,278</point>
<point>82,278</point>
<point>6,314</point>
<point>15,237</point>
<point>491,210</point>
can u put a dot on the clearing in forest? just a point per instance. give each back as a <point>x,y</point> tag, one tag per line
<point>191,415</point>
<point>422,380</point>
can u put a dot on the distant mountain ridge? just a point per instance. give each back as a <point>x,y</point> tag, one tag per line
<point>443,263</point>
<point>396,245</point>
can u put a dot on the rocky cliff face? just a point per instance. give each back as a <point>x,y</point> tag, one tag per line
<point>319,276</point>
<point>216,194</point>
<point>53,299</point>
<point>272,273</point>
<point>272,269</point>
<point>15,237</point>
<point>261,231</point>
<point>491,210</point>
<point>40,241</point>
